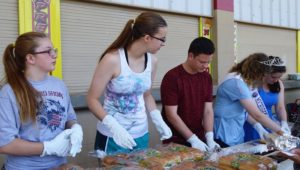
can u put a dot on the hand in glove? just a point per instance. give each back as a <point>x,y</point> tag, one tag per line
<point>76,139</point>
<point>197,143</point>
<point>59,146</point>
<point>120,135</point>
<point>163,129</point>
<point>260,130</point>
<point>285,127</point>
<point>210,141</point>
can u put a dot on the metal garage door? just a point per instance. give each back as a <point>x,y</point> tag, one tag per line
<point>270,40</point>
<point>8,26</point>
<point>89,27</point>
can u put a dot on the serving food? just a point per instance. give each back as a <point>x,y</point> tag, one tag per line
<point>161,157</point>
<point>192,165</point>
<point>179,157</point>
<point>282,142</point>
<point>184,152</point>
<point>246,161</point>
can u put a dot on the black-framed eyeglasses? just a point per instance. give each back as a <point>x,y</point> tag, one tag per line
<point>51,51</point>
<point>160,39</point>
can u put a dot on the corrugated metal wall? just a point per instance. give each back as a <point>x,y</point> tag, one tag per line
<point>272,41</point>
<point>194,7</point>
<point>8,26</point>
<point>88,29</point>
<point>283,13</point>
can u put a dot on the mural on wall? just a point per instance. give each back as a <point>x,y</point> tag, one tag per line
<point>206,24</point>
<point>41,16</point>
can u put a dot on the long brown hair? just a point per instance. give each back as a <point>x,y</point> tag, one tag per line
<point>14,61</point>
<point>251,68</point>
<point>147,23</point>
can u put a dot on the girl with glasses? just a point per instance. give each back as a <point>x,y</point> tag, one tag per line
<point>124,75</point>
<point>38,125</point>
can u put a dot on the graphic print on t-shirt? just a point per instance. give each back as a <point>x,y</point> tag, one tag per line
<point>126,103</point>
<point>50,112</point>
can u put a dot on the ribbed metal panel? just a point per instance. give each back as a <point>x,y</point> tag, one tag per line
<point>272,41</point>
<point>282,13</point>
<point>88,29</point>
<point>8,26</point>
<point>194,7</point>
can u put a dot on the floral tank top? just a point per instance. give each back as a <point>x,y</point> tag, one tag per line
<point>123,98</point>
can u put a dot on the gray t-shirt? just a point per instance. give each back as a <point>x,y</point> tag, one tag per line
<point>55,110</point>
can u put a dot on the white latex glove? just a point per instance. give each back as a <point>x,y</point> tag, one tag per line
<point>163,129</point>
<point>285,127</point>
<point>120,135</point>
<point>59,146</point>
<point>76,139</point>
<point>197,143</point>
<point>260,130</point>
<point>210,141</point>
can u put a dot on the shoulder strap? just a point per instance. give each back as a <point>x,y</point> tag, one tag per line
<point>126,56</point>
<point>146,60</point>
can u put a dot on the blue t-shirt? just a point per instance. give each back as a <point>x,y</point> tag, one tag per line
<point>270,99</point>
<point>229,113</point>
<point>54,111</point>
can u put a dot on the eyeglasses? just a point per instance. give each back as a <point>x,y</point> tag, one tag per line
<point>160,39</point>
<point>51,51</point>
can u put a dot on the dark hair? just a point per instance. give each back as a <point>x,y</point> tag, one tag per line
<point>201,45</point>
<point>277,67</point>
<point>252,68</point>
<point>14,61</point>
<point>147,23</point>
<point>275,87</point>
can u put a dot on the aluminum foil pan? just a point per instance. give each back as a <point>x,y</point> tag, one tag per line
<point>282,143</point>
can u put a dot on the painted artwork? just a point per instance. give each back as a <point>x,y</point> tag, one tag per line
<point>206,27</point>
<point>41,16</point>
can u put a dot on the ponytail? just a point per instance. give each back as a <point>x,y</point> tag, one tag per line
<point>147,23</point>
<point>14,61</point>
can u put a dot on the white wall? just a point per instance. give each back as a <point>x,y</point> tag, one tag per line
<point>194,7</point>
<point>283,13</point>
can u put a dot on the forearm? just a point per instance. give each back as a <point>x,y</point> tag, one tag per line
<point>96,108</point>
<point>281,113</point>
<point>180,126</point>
<point>208,117</point>
<point>280,107</point>
<point>259,116</point>
<point>208,122</point>
<point>267,122</point>
<point>251,120</point>
<point>22,148</point>
<point>149,101</point>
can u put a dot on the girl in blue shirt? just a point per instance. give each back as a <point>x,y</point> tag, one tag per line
<point>272,94</point>
<point>233,98</point>
<point>38,126</point>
